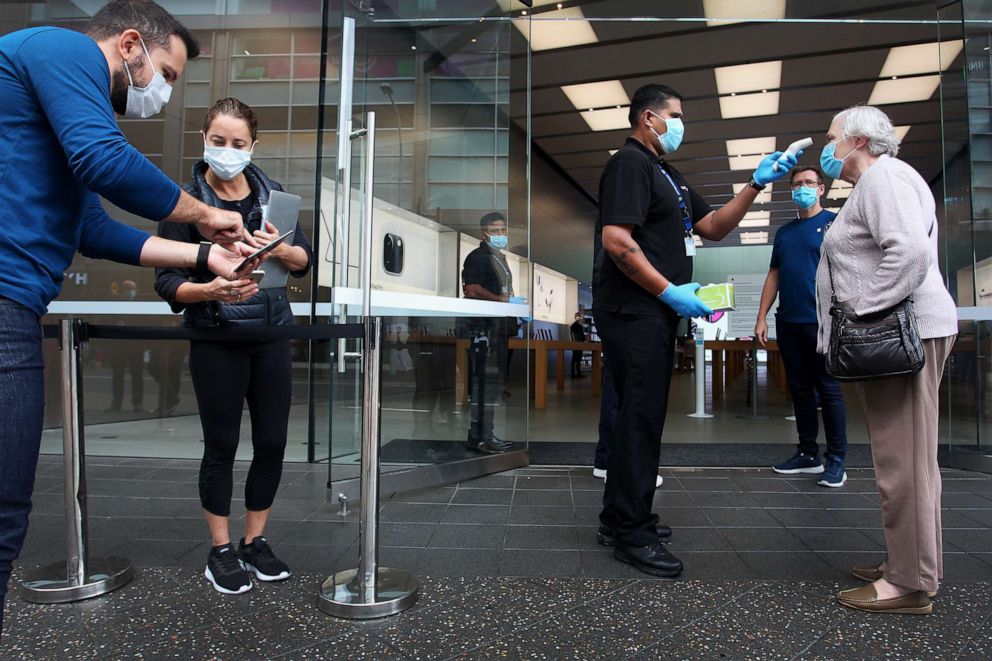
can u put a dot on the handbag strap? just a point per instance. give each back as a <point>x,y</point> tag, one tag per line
<point>830,271</point>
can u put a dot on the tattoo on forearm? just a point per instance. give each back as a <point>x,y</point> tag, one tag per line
<point>621,261</point>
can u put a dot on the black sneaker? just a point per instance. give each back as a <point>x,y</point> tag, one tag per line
<point>225,571</point>
<point>259,558</point>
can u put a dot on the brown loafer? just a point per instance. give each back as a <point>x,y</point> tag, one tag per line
<point>873,573</point>
<point>866,599</point>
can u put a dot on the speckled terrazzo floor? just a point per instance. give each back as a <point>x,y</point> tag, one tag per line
<point>510,570</point>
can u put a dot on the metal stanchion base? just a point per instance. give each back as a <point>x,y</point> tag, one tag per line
<point>790,418</point>
<point>396,590</point>
<point>699,415</point>
<point>48,585</point>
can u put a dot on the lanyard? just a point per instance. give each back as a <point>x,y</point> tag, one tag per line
<point>686,221</point>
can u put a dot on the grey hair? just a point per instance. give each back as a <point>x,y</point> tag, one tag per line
<point>871,123</point>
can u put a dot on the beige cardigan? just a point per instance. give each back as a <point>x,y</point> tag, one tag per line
<point>880,252</point>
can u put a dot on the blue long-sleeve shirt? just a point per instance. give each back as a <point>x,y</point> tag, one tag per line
<point>61,148</point>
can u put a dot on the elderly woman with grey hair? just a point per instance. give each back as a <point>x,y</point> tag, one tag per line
<point>881,249</point>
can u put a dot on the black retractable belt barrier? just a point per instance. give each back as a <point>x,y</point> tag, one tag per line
<point>79,576</point>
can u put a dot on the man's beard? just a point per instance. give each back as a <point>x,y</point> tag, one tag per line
<point>119,84</point>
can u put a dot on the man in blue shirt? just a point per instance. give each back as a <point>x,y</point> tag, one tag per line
<point>792,277</point>
<point>60,149</point>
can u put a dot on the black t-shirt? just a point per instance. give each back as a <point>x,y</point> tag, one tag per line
<point>487,267</point>
<point>577,331</point>
<point>633,191</point>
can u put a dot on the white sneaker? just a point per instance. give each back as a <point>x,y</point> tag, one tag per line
<point>600,473</point>
<point>659,482</point>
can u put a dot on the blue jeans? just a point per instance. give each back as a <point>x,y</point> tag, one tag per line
<point>806,371</point>
<point>22,410</point>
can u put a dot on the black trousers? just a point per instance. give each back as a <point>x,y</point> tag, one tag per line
<point>576,363</point>
<point>609,404</point>
<point>806,372</point>
<point>641,350</point>
<point>487,365</point>
<point>124,359</point>
<point>224,376</point>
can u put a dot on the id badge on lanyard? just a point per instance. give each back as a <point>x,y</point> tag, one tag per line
<point>690,241</point>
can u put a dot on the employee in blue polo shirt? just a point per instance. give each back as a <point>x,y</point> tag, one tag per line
<point>792,277</point>
<point>60,149</point>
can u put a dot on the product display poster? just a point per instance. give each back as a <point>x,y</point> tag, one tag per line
<point>747,299</point>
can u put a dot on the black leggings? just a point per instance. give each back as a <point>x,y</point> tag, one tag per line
<point>224,375</point>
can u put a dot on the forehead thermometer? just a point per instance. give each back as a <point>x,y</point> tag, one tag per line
<point>794,149</point>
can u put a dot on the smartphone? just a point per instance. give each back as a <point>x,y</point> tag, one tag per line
<point>264,249</point>
<point>256,276</point>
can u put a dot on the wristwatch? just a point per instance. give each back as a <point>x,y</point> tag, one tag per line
<point>755,185</point>
<point>202,255</point>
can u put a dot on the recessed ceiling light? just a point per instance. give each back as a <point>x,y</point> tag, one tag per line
<point>839,190</point>
<point>749,105</point>
<point>904,90</point>
<point>756,219</point>
<point>754,238</point>
<point>751,146</point>
<point>723,12</point>
<point>762,197</point>
<point>597,95</point>
<point>749,77</point>
<point>557,29</point>
<point>920,58</point>
<point>413,48</point>
<point>609,119</point>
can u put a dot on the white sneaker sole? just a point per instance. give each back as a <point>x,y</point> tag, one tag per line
<point>265,577</point>
<point>843,479</point>
<point>812,470</point>
<point>659,480</point>
<point>599,472</point>
<point>210,577</point>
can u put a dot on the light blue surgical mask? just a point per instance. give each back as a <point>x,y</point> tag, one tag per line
<point>830,164</point>
<point>671,139</point>
<point>147,101</point>
<point>804,197</point>
<point>226,162</point>
<point>498,242</point>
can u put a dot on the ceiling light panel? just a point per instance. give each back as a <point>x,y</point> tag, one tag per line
<point>722,12</point>
<point>839,190</point>
<point>748,146</point>
<point>903,90</point>
<point>610,119</point>
<point>901,132</point>
<point>745,162</point>
<point>753,238</point>
<point>920,58</point>
<point>749,105</point>
<point>762,197</point>
<point>613,151</point>
<point>597,95</point>
<point>557,29</point>
<point>748,77</point>
<point>756,219</point>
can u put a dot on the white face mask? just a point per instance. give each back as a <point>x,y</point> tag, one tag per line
<point>144,102</point>
<point>226,162</point>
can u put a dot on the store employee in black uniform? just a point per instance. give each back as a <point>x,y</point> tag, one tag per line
<point>648,217</point>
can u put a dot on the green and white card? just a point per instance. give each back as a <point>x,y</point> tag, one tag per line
<point>719,298</point>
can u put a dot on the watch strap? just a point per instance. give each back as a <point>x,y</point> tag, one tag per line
<point>202,270</point>
<point>755,185</point>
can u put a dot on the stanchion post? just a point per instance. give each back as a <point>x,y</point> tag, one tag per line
<point>752,385</point>
<point>700,375</point>
<point>79,577</point>
<point>370,591</point>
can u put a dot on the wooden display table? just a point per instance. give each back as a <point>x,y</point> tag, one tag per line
<point>729,363</point>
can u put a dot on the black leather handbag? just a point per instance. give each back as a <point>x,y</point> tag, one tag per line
<point>875,346</point>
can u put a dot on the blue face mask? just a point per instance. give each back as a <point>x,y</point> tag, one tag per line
<point>830,164</point>
<point>498,242</point>
<point>804,197</point>
<point>671,139</point>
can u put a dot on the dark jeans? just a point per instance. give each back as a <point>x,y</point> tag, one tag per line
<point>576,363</point>
<point>224,375</point>
<point>22,409</point>
<point>806,371</point>
<point>487,364</point>
<point>641,349</point>
<point>609,404</point>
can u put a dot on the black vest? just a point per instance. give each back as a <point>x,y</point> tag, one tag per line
<point>269,307</point>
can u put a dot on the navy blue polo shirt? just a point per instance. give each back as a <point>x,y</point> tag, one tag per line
<point>796,254</point>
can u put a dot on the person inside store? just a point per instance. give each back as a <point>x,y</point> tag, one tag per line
<point>578,334</point>
<point>486,276</point>
<point>60,150</point>
<point>226,374</point>
<point>882,249</point>
<point>125,358</point>
<point>792,278</point>
<point>649,218</point>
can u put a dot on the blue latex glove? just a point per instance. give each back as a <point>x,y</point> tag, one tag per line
<point>517,300</point>
<point>683,299</point>
<point>767,171</point>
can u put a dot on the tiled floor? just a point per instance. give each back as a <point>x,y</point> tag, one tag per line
<point>511,570</point>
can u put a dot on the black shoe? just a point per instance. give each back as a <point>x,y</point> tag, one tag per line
<point>654,559</point>
<point>607,537</point>
<point>259,558</point>
<point>225,571</point>
<point>489,446</point>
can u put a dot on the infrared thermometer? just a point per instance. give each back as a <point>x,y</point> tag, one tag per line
<point>794,149</point>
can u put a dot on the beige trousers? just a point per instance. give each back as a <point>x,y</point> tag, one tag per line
<point>902,417</point>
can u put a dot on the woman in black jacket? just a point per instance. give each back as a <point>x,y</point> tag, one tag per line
<point>226,374</point>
